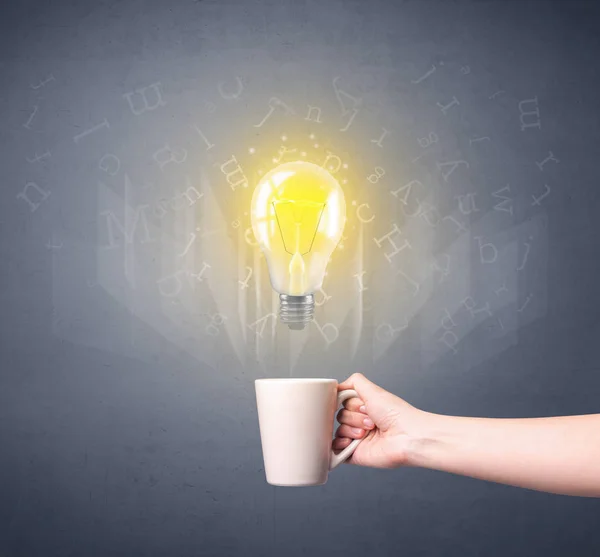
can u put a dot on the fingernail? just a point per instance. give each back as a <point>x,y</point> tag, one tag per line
<point>363,409</point>
<point>368,422</point>
<point>356,430</point>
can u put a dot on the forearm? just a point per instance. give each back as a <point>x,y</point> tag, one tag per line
<point>559,455</point>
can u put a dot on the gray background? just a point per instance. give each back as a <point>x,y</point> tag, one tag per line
<point>121,435</point>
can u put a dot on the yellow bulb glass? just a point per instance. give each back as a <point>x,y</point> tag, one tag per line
<point>298,215</point>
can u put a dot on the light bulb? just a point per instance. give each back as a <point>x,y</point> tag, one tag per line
<point>298,215</point>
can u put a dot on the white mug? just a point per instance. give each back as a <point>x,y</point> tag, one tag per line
<point>295,418</point>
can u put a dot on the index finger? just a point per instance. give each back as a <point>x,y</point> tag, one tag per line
<point>353,404</point>
<point>367,390</point>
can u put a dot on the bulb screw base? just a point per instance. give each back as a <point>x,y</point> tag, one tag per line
<point>296,311</point>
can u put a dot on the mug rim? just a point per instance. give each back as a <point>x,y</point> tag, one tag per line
<point>295,380</point>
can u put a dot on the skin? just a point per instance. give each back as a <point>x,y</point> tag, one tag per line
<point>558,455</point>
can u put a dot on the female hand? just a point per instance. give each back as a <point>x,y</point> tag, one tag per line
<point>387,423</point>
<point>557,454</point>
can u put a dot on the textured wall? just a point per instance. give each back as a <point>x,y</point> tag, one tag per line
<point>136,311</point>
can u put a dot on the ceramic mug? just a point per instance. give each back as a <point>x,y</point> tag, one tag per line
<point>296,428</point>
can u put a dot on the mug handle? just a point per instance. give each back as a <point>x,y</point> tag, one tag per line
<point>337,459</point>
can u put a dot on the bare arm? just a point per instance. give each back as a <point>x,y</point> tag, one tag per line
<point>558,455</point>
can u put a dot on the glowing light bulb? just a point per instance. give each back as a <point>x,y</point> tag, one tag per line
<point>298,215</point>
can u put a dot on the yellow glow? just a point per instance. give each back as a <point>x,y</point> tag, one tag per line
<point>298,222</point>
<point>298,215</point>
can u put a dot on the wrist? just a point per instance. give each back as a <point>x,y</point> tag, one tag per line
<point>425,440</point>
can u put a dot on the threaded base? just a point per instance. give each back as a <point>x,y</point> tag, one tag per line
<point>296,311</point>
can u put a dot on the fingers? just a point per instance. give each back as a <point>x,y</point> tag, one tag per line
<point>354,419</point>
<point>353,404</point>
<point>340,443</point>
<point>352,425</point>
<point>366,389</point>
<point>377,401</point>
<point>351,432</point>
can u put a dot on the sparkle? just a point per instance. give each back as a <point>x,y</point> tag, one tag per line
<point>303,153</point>
<point>284,138</point>
<point>274,159</point>
<point>252,150</point>
<point>354,203</point>
<point>344,181</point>
<point>311,136</point>
<point>316,145</point>
<point>345,165</point>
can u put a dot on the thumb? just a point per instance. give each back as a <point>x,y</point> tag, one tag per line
<point>379,402</point>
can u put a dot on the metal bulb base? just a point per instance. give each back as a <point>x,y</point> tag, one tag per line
<point>296,311</point>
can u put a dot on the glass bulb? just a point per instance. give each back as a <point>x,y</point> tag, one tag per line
<point>298,215</point>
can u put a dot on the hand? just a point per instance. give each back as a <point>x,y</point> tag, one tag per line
<point>557,454</point>
<point>387,423</point>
